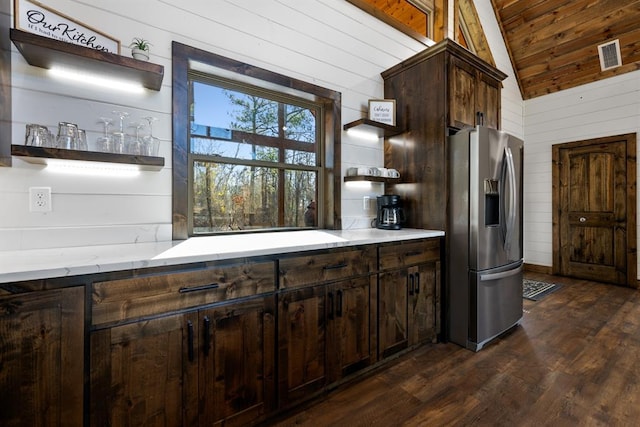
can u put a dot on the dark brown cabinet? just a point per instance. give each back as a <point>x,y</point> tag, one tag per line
<point>237,362</point>
<point>474,96</point>
<point>142,373</point>
<point>212,343</point>
<point>206,367</point>
<point>211,362</point>
<point>437,92</point>
<point>42,359</point>
<point>349,334</point>
<point>408,295</point>
<point>302,343</point>
<point>324,330</point>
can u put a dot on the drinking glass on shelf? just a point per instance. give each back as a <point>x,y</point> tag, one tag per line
<point>150,144</point>
<point>121,115</point>
<point>37,135</point>
<point>81,141</point>
<point>104,142</point>
<point>135,144</point>
<point>118,144</point>
<point>67,136</point>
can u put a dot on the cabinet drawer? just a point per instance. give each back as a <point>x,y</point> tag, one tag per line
<point>408,253</point>
<point>323,267</point>
<point>118,300</point>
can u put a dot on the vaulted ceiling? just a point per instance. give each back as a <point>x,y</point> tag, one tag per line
<point>553,44</point>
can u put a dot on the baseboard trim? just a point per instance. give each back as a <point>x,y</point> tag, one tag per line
<point>534,268</point>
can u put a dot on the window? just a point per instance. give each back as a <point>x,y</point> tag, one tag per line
<point>253,150</point>
<point>253,157</point>
<point>413,17</point>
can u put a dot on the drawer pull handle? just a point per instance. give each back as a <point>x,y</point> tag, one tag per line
<point>414,253</point>
<point>199,288</point>
<point>190,340</point>
<point>335,266</point>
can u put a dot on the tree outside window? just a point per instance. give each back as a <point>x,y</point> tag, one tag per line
<point>254,158</point>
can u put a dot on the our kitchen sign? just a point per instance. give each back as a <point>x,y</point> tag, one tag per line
<point>33,17</point>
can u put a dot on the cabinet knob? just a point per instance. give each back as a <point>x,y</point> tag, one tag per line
<point>583,219</point>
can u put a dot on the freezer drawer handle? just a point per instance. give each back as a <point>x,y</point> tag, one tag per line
<point>501,275</point>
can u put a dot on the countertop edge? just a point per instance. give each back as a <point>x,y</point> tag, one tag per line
<point>16,266</point>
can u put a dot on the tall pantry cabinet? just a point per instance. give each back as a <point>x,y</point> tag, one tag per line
<point>437,91</point>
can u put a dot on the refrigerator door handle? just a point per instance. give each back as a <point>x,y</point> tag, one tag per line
<point>511,218</point>
<point>501,275</point>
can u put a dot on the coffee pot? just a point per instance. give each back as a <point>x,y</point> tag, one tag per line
<point>390,215</point>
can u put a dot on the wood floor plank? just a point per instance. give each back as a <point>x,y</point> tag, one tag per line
<point>573,360</point>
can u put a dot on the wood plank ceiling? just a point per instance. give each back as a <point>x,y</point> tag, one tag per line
<point>553,44</point>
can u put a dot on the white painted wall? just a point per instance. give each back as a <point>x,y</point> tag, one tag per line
<point>326,42</point>
<point>604,108</point>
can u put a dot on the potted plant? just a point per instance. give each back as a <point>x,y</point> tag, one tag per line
<point>140,48</point>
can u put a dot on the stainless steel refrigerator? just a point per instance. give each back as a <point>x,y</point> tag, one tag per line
<point>484,265</point>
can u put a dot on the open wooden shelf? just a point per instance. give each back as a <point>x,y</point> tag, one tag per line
<point>381,129</point>
<point>44,52</point>
<point>40,155</point>
<point>371,179</point>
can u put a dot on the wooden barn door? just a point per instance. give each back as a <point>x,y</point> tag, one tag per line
<point>594,209</point>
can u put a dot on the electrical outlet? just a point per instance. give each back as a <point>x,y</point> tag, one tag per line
<point>366,203</point>
<point>39,199</point>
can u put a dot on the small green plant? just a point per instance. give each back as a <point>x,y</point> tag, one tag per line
<point>140,43</point>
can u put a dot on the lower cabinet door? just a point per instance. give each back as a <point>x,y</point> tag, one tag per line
<point>349,331</point>
<point>42,358</point>
<point>301,343</point>
<point>145,373</point>
<point>237,362</point>
<point>393,333</point>
<point>422,303</point>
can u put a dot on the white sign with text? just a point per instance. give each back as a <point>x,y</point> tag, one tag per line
<point>36,18</point>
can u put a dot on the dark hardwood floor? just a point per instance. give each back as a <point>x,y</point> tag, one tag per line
<point>574,360</point>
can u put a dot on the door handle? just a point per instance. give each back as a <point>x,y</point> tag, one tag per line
<point>501,275</point>
<point>207,335</point>
<point>331,306</point>
<point>411,280</point>
<point>190,340</point>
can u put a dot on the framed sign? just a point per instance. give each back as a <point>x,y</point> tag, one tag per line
<point>36,18</point>
<point>383,111</point>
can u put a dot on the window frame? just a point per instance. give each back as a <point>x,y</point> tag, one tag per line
<point>400,26</point>
<point>185,59</point>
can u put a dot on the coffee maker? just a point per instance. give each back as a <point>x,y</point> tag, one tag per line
<point>390,214</point>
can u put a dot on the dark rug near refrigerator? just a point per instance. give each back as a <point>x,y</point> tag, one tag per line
<point>535,291</point>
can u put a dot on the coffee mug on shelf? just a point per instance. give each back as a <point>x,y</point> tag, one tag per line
<point>392,173</point>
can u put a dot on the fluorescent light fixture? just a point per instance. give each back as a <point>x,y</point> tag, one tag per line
<point>95,80</point>
<point>79,167</point>
<point>363,134</point>
<point>358,184</point>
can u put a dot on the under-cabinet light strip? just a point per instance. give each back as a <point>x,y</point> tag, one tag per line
<point>94,80</point>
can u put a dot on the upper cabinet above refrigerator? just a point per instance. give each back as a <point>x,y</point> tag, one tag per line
<point>438,91</point>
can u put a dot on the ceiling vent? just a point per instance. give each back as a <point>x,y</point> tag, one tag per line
<point>610,55</point>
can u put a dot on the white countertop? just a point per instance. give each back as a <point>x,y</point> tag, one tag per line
<point>49,263</point>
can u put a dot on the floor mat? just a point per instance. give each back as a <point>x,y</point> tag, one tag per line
<point>534,290</point>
